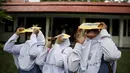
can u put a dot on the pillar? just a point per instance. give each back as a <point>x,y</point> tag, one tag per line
<point>15,23</point>
<point>121,32</point>
<point>47,27</point>
<point>110,29</point>
<point>51,27</point>
<point>82,20</point>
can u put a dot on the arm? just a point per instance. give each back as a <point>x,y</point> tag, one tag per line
<point>37,46</point>
<point>41,38</point>
<point>110,51</point>
<point>38,50</point>
<point>40,59</point>
<point>33,45</point>
<point>10,45</point>
<point>35,50</point>
<point>74,58</point>
<point>66,53</point>
<point>33,39</point>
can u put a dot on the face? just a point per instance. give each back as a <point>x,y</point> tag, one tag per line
<point>49,44</point>
<point>92,33</point>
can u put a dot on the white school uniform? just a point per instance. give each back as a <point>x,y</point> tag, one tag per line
<point>86,57</point>
<point>56,60</point>
<point>23,60</point>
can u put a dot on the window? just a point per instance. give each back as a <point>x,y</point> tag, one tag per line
<point>40,21</point>
<point>8,25</point>
<point>129,27</point>
<point>68,25</point>
<point>21,22</point>
<point>124,29</point>
<point>115,27</point>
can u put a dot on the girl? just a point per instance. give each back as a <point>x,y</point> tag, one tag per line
<point>55,61</point>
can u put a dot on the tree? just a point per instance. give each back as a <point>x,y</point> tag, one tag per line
<point>3,16</point>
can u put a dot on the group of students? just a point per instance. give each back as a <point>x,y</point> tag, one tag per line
<point>94,51</point>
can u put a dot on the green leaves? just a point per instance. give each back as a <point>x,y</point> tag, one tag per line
<point>4,16</point>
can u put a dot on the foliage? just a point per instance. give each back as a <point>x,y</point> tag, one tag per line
<point>3,16</point>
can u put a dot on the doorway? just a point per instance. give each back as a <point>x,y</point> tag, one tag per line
<point>40,21</point>
<point>67,25</point>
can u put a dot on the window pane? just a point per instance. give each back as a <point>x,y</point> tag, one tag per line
<point>21,22</point>
<point>124,32</point>
<point>9,25</point>
<point>129,27</point>
<point>115,27</point>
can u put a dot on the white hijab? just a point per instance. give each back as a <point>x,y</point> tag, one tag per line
<point>40,38</point>
<point>65,43</point>
<point>56,57</point>
<point>97,52</point>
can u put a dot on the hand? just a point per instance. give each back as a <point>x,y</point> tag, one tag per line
<point>59,40</point>
<point>104,25</point>
<point>36,31</point>
<point>19,30</point>
<point>80,37</point>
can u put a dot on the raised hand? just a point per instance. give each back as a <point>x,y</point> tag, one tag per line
<point>35,31</point>
<point>18,32</point>
<point>80,36</point>
<point>104,25</point>
<point>59,39</point>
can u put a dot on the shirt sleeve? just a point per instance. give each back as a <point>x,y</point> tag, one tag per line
<point>41,38</point>
<point>11,47</point>
<point>33,39</point>
<point>110,51</point>
<point>40,59</point>
<point>74,58</point>
<point>35,50</point>
<point>37,46</point>
<point>67,51</point>
<point>65,62</point>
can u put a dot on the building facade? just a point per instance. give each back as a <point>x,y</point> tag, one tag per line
<point>54,17</point>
